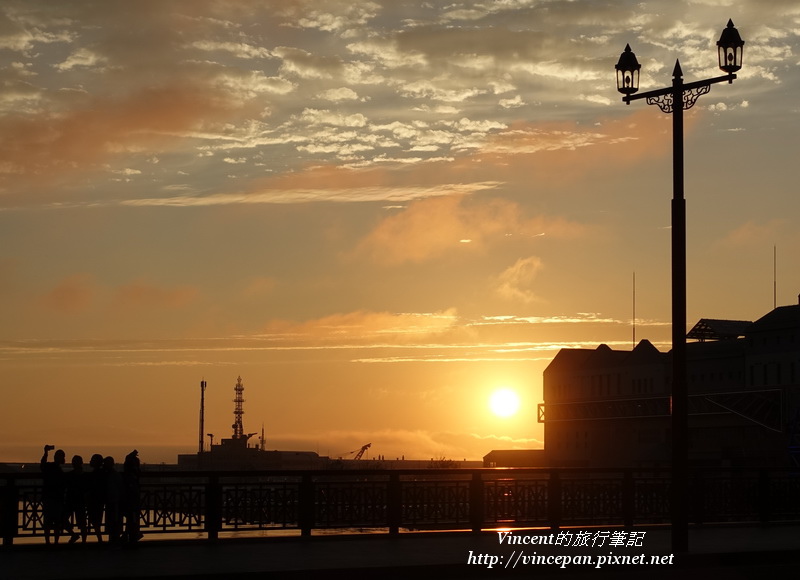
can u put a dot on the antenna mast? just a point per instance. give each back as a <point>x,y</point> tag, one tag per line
<point>238,411</point>
<point>202,413</point>
<point>774,276</point>
<point>263,441</point>
<point>633,344</point>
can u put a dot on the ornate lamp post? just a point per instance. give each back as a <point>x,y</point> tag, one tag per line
<point>675,100</point>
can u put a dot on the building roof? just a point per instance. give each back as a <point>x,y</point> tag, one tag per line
<point>780,318</point>
<point>644,353</point>
<point>714,329</point>
<point>604,357</point>
<point>570,358</point>
<point>715,349</point>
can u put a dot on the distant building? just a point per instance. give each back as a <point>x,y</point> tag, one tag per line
<point>231,456</point>
<point>515,458</point>
<point>605,407</point>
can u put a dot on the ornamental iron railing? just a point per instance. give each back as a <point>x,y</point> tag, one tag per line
<point>212,503</point>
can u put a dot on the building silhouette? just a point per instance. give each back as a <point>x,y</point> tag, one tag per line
<point>605,407</point>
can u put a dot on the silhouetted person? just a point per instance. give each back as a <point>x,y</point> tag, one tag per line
<point>96,495</point>
<point>75,499</point>
<point>130,499</point>
<point>114,491</point>
<point>53,486</point>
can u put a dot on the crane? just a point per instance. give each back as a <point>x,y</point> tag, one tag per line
<point>358,452</point>
<point>361,451</point>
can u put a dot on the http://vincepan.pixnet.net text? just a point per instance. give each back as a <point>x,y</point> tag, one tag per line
<point>608,548</point>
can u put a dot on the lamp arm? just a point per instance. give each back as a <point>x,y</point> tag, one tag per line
<point>657,93</point>
<point>729,78</point>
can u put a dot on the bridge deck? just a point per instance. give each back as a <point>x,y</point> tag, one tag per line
<point>730,552</point>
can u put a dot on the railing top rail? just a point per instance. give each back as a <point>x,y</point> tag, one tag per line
<point>207,475</point>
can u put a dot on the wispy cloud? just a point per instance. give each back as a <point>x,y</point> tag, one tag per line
<point>752,232</point>
<point>427,337</point>
<point>351,195</point>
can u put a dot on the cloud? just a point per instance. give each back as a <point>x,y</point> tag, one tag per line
<point>340,94</point>
<point>722,107</point>
<point>578,318</point>
<point>365,326</point>
<point>306,65</point>
<point>238,49</point>
<point>142,295</point>
<point>512,442</point>
<point>82,294</point>
<point>479,150</point>
<point>82,57</point>
<point>327,117</point>
<point>393,444</point>
<point>514,102</point>
<point>515,282</point>
<point>73,294</point>
<point>337,16</point>
<point>50,146</point>
<point>355,194</point>
<point>430,228</point>
<point>21,34</point>
<point>753,233</point>
<point>258,287</point>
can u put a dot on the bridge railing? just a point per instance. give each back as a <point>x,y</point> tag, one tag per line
<point>212,504</point>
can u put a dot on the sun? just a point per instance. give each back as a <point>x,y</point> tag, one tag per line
<point>504,402</point>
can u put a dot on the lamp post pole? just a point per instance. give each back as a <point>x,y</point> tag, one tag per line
<point>675,100</point>
<point>680,391</point>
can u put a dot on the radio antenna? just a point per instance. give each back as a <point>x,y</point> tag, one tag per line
<point>774,276</point>
<point>633,323</point>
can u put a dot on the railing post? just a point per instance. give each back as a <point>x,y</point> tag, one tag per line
<point>554,499</point>
<point>394,500</point>
<point>477,508</point>
<point>9,512</point>
<point>213,507</point>
<point>628,498</point>
<point>698,494</point>
<point>764,508</point>
<point>306,512</point>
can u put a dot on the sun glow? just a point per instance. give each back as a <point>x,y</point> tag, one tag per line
<point>504,402</point>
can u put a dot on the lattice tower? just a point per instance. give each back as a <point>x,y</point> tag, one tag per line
<point>238,411</point>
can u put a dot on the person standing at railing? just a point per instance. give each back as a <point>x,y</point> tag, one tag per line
<point>75,499</point>
<point>114,491</point>
<point>96,495</point>
<point>131,505</point>
<point>53,487</point>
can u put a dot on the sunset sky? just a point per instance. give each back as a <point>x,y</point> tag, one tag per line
<point>376,213</point>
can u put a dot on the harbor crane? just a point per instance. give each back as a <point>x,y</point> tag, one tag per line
<point>359,452</point>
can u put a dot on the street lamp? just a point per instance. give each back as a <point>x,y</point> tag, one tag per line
<point>730,46</point>
<point>675,100</point>
<point>628,72</point>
